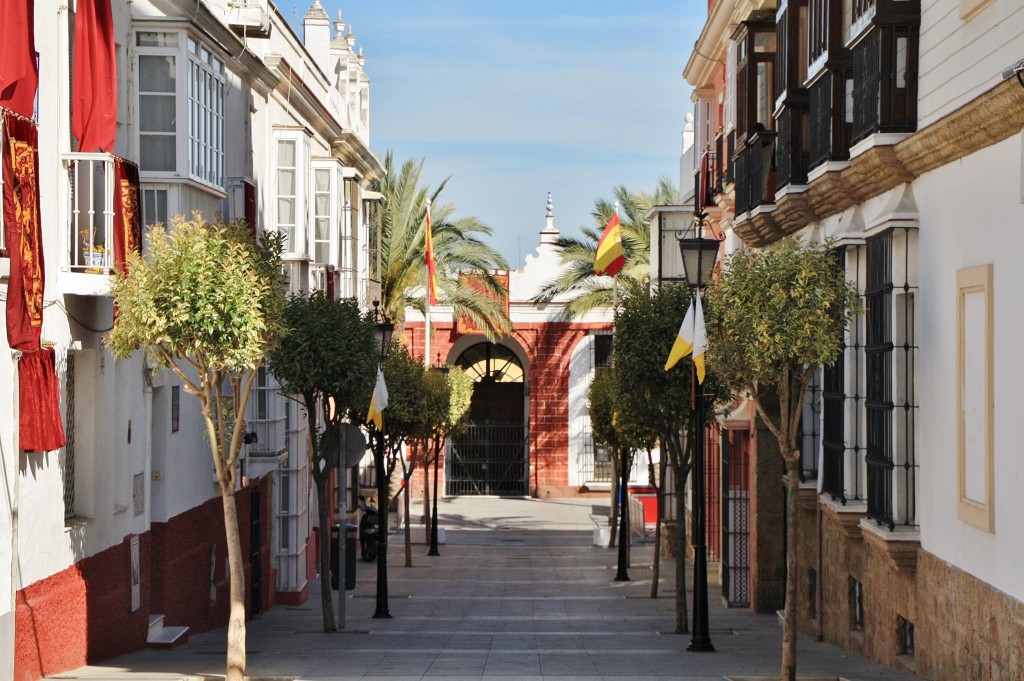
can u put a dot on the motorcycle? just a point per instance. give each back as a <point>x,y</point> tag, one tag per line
<point>369,532</point>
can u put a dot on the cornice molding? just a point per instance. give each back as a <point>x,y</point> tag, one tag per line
<point>988,119</point>
<point>709,50</point>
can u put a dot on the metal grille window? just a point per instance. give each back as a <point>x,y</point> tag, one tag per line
<point>818,29</point>
<point>205,115</point>
<point>810,430</point>
<point>67,461</point>
<point>889,355</point>
<point>603,351</point>
<point>885,78</point>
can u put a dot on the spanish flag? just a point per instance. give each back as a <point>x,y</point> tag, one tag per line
<point>378,402</point>
<point>692,337</point>
<point>610,257</point>
<point>431,265</point>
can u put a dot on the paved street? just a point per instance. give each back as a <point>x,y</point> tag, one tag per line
<point>519,592</point>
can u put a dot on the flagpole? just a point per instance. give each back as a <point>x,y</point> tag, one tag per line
<point>615,282</point>
<point>426,319</point>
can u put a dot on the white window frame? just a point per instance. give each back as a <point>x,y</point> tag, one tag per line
<point>205,97</point>
<point>333,215</point>
<point>177,52</point>
<point>301,224</point>
<point>199,129</point>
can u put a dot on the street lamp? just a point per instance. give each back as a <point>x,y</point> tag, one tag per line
<point>699,256</point>
<point>437,455</point>
<point>384,331</point>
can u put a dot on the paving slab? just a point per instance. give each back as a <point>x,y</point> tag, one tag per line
<point>518,593</point>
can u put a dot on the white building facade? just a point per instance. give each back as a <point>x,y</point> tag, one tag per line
<point>225,110</point>
<point>894,128</point>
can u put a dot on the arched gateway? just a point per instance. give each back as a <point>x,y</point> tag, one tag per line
<point>490,456</point>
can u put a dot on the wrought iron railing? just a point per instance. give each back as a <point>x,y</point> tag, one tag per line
<point>91,213</point>
<point>488,459</point>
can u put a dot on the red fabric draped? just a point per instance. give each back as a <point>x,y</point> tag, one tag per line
<point>19,75</point>
<point>127,212</point>
<point>40,426</point>
<point>95,80</point>
<point>21,224</point>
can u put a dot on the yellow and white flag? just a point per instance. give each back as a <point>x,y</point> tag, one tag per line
<point>378,402</point>
<point>692,338</point>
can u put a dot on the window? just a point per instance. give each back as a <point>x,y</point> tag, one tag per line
<point>856,605</point>
<point>67,461</point>
<point>324,218</point>
<point>291,206</point>
<point>181,97</point>
<point>158,79</point>
<point>755,57</point>
<point>205,115</point>
<point>889,355</point>
<point>603,351</point>
<point>905,632</point>
<point>154,206</point>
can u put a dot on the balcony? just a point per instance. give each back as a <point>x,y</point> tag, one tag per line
<point>249,18</point>
<point>756,172</point>
<point>88,253</point>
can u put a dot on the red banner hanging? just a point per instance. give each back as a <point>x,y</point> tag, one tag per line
<point>95,81</point>
<point>40,428</point>
<point>19,74</point>
<point>127,212</point>
<point>21,225</point>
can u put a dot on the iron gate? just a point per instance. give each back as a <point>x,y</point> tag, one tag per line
<point>488,459</point>
<point>735,517</point>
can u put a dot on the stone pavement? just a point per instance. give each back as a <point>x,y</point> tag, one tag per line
<point>518,592</point>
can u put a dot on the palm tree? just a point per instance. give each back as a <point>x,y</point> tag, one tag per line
<point>458,250</point>
<point>577,280</point>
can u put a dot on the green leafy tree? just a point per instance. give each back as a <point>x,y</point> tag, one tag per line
<point>774,318</point>
<point>458,248</point>
<point>328,358</point>
<point>656,405</point>
<point>207,303</point>
<point>450,419</point>
<point>608,427</point>
<point>577,280</point>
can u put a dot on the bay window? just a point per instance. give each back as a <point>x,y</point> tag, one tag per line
<point>181,93</point>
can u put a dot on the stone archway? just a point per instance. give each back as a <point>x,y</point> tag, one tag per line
<point>490,456</point>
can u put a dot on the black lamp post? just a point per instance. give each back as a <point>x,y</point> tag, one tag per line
<point>699,256</point>
<point>433,514</point>
<point>384,330</point>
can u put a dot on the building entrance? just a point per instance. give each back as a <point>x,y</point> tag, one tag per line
<point>490,456</point>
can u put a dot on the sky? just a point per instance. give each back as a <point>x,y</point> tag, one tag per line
<point>511,100</point>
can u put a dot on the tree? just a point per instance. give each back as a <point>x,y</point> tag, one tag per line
<point>774,318</point>
<point>657,405</point>
<point>207,303</point>
<point>458,248</point>
<point>605,411</point>
<point>458,394</point>
<point>577,279</point>
<point>328,357</point>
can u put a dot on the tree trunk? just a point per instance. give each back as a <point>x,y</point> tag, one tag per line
<point>408,528</point>
<point>236,618</point>
<point>657,482</point>
<point>682,623</point>
<point>789,614</point>
<point>323,513</point>
<point>622,574</point>
<point>427,518</point>
<point>615,509</point>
